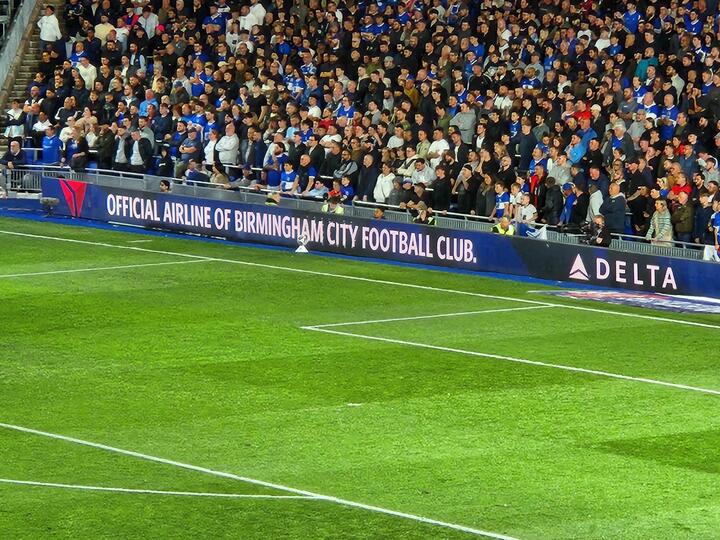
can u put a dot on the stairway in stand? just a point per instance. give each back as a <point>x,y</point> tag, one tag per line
<point>28,67</point>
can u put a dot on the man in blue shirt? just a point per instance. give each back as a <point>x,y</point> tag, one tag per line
<point>631,19</point>
<point>149,100</point>
<point>214,24</point>
<point>693,24</point>
<point>502,199</point>
<point>52,147</point>
<point>668,118</point>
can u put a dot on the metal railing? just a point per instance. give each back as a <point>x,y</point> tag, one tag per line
<point>19,18</point>
<point>28,178</point>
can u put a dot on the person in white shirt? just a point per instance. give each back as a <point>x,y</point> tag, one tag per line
<point>227,147</point>
<point>437,147</point>
<point>258,11</point>
<point>330,138</point>
<point>247,19</point>
<point>87,71</point>
<point>397,140</point>
<point>384,184</point>
<point>149,22</point>
<point>103,28</point>
<point>49,28</point>
<point>596,200</point>
<point>209,152</point>
<point>122,32</point>
<point>423,173</point>
<point>528,212</point>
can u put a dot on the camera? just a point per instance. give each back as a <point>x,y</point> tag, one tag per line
<point>590,230</point>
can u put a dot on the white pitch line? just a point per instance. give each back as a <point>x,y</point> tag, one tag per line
<point>279,487</point>
<point>516,360</point>
<point>97,269</point>
<point>370,280</point>
<point>154,491</point>
<point>138,241</point>
<point>419,317</point>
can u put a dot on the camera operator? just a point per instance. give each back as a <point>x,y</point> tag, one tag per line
<point>596,233</point>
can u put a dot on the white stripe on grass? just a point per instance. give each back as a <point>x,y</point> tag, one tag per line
<point>279,487</point>
<point>152,491</point>
<point>420,317</point>
<point>369,280</point>
<point>97,269</point>
<point>516,360</point>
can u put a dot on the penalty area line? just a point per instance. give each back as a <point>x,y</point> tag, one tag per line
<point>516,360</point>
<point>279,487</point>
<point>152,491</point>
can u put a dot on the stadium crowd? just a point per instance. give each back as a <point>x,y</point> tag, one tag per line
<point>548,111</point>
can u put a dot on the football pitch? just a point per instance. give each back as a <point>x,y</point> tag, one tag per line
<point>162,387</point>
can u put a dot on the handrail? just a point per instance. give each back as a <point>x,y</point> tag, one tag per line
<point>21,26</point>
<point>29,177</point>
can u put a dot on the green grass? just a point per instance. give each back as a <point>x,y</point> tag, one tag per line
<point>207,364</point>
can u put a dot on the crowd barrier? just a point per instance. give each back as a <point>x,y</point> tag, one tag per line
<point>250,221</point>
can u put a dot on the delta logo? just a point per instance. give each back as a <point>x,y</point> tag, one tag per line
<point>74,193</point>
<point>623,272</point>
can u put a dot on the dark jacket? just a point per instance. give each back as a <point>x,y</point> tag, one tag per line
<point>580,208</point>
<point>485,200</point>
<point>16,159</point>
<point>441,194</point>
<point>683,219</point>
<point>145,149</point>
<point>700,229</point>
<point>613,210</point>
<point>553,205</point>
<point>367,178</point>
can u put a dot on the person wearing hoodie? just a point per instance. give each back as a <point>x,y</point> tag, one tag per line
<point>384,183</point>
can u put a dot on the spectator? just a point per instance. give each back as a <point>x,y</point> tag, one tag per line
<point>14,157</point>
<point>49,28</point>
<point>660,232</point>
<point>553,203</point>
<point>613,210</point>
<point>703,213</point>
<point>76,151</point>
<point>683,218</point>
<point>595,202</point>
<point>139,152</point>
<point>52,147</point>
<point>384,183</point>
<point>367,180</point>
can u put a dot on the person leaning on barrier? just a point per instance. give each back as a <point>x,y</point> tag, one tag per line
<point>504,227</point>
<point>424,214</point>
<point>333,206</point>
<point>14,157</point>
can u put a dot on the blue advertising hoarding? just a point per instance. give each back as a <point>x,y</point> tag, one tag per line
<point>405,242</point>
